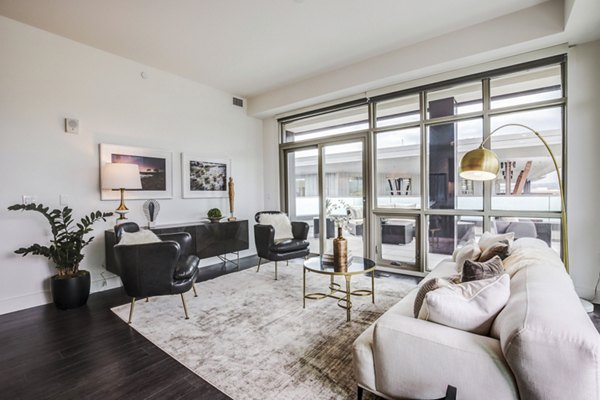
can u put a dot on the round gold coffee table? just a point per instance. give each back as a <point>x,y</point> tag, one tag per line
<point>324,266</point>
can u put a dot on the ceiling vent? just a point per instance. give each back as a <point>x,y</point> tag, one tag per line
<point>238,102</point>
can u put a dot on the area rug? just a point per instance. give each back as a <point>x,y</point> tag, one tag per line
<point>249,336</point>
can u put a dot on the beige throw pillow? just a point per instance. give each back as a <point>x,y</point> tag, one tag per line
<point>470,306</point>
<point>280,223</point>
<point>499,249</point>
<point>488,239</point>
<point>425,288</point>
<point>468,252</point>
<point>142,236</point>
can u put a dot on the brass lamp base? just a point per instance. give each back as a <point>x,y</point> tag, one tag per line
<point>122,216</point>
<point>122,209</point>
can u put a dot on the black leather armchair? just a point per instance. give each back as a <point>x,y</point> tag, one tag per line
<point>156,269</point>
<point>264,236</point>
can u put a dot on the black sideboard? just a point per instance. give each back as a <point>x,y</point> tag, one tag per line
<point>208,239</point>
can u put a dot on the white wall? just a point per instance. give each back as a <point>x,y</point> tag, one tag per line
<point>44,78</point>
<point>583,144</point>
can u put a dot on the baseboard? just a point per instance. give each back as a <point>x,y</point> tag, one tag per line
<point>25,301</point>
<point>29,300</point>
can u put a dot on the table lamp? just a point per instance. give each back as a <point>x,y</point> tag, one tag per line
<point>121,176</point>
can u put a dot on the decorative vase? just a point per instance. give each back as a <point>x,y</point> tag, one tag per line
<point>231,186</point>
<point>70,291</point>
<point>340,252</point>
<point>151,209</point>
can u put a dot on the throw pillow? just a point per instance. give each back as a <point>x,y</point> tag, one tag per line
<point>425,288</point>
<point>142,236</point>
<point>468,252</point>
<point>488,239</point>
<point>499,249</point>
<point>474,270</point>
<point>280,223</point>
<point>456,250</point>
<point>470,306</point>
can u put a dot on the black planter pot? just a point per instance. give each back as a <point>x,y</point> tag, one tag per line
<point>72,291</point>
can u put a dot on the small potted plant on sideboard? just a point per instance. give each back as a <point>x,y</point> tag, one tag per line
<point>215,215</point>
<point>71,286</point>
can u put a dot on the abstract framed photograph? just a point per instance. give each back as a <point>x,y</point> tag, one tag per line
<point>155,167</point>
<point>204,176</point>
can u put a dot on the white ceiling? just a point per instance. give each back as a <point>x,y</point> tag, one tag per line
<point>251,47</point>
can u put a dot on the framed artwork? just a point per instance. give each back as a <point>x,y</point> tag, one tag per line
<point>155,168</point>
<point>204,176</point>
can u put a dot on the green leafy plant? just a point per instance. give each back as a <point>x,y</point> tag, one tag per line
<point>214,213</point>
<point>66,243</point>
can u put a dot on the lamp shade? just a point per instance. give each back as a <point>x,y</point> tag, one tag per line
<point>480,164</point>
<point>121,176</point>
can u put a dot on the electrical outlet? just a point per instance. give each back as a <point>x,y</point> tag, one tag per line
<point>27,199</point>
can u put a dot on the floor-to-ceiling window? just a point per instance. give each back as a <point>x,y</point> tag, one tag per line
<point>391,164</point>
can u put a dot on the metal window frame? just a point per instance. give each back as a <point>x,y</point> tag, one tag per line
<point>372,212</point>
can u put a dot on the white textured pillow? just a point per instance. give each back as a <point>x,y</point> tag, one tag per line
<point>456,250</point>
<point>280,223</point>
<point>470,306</point>
<point>140,237</point>
<point>470,251</point>
<point>488,239</point>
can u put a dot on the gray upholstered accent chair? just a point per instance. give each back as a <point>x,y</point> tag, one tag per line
<point>156,269</point>
<point>525,228</point>
<point>267,248</point>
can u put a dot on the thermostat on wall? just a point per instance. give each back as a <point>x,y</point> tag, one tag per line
<point>72,125</point>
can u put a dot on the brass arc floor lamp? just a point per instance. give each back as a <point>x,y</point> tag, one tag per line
<point>482,164</point>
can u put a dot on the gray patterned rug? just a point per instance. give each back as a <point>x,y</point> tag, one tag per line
<point>249,336</point>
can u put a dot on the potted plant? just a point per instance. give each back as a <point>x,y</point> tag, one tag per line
<point>215,215</point>
<point>71,286</point>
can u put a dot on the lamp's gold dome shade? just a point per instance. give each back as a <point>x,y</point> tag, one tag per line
<point>479,165</point>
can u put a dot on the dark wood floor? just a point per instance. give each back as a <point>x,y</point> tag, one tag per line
<point>90,353</point>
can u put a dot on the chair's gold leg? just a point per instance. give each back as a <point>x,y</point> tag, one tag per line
<point>194,288</point>
<point>184,306</point>
<point>259,261</point>
<point>275,270</point>
<point>131,309</point>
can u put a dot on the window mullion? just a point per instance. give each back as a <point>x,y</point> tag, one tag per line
<point>487,186</point>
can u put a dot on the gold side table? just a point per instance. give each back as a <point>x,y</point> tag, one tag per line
<point>356,266</point>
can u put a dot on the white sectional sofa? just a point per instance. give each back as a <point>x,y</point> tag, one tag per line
<point>542,345</point>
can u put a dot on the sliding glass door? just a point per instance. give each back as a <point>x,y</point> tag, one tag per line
<point>303,191</point>
<point>344,193</point>
<point>325,185</point>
